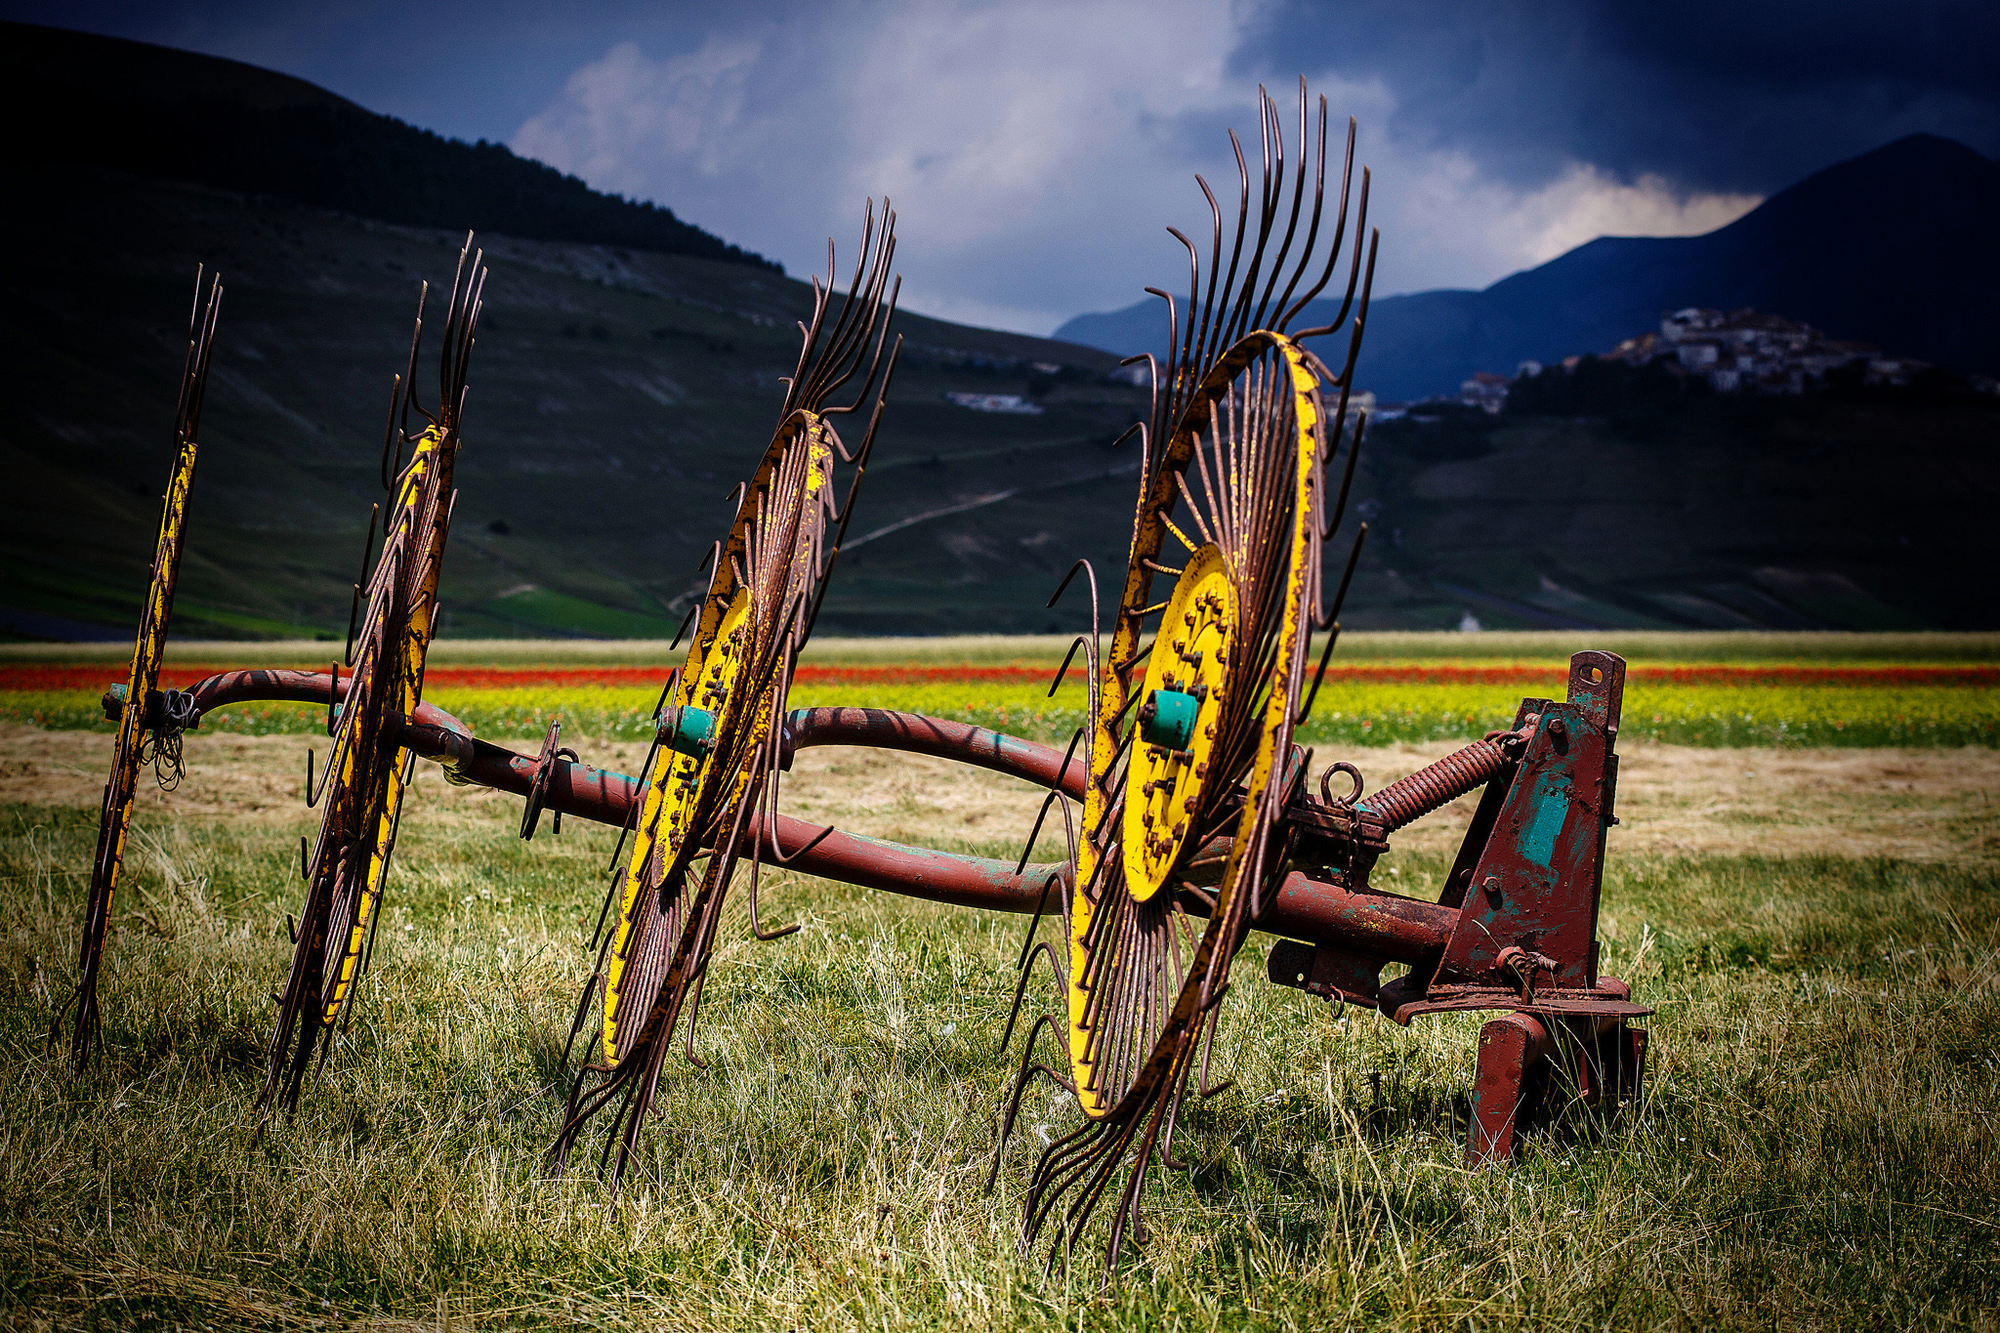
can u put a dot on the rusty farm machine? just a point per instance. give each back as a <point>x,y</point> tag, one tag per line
<point>1185,804</point>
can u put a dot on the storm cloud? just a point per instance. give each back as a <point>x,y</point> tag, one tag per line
<point>1037,150</point>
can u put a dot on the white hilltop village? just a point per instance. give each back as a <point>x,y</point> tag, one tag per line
<point>1738,351</point>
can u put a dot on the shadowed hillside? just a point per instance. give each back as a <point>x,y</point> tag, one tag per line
<point>616,398</point>
<point>106,102</point>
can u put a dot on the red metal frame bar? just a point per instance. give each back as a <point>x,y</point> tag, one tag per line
<point>1515,928</point>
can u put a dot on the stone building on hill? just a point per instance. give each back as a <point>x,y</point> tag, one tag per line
<point>1749,351</point>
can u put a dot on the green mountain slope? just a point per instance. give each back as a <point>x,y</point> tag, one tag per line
<point>620,392</point>
<point>617,396</point>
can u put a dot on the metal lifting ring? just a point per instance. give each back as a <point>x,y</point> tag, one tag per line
<point>1326,781</point>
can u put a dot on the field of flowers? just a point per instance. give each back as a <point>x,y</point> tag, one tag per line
<point>1373,702</point>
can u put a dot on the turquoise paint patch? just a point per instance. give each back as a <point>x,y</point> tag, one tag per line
<point>1538,843</point>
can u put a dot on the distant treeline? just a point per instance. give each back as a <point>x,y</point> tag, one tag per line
<point>340,156</point>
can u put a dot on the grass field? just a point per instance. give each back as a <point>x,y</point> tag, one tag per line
<point>1819,1148</point>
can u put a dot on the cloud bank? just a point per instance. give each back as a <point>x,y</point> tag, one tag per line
<point>1036,152</point>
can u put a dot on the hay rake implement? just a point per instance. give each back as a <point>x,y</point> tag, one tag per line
<point>1187,809</point>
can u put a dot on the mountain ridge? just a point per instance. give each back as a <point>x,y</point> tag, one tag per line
<point>180,115</point>
<point>1813,251</point>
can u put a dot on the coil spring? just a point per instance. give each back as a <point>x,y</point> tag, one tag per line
<point>1409,799</point>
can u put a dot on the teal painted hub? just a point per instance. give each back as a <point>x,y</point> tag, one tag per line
<point>689,731</point>
<point>1167,719</point>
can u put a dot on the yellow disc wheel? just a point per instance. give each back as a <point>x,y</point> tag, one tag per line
<point>1194,701</point>
<point>709,783</point>
<point>367,772</point>
<point>140,714</point>
<point>1225,652</point>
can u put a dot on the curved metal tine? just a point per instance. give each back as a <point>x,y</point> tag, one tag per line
<point>1012,1114</point>
<point>391,433</point>
<point>768,796</point>
<point>1055,793</point>
<point>859,458</point>
<point>1030,947</point>
<point>1185,353</point>
<point>452,314</point>
<point>1202,1085</point>
<point>1062,672</point>
<point>1057,1167</point>
<point>847,507</point>
<point>1285,307</point>
<point>1354,266</point>
<point>459,336</point>
<point>756,867</point>
<point>1152,380</point>
<point>823,297</point>
<point>1021,1077</point>
<point>1298,198</point>
<point>808,335</point>
<point>1333,619</point>
<point>1271,190</point>
<point>410,372</point>
<point>1096,630</point>
<point>880,328</point>
<point>1152,364</point>
<point>1340,219</point>
<point>861,310</point>
<point>1209,324</point>
<point>1338,511</point>
<point>812,362</point>
<point>1239,306</point>
<point>1096,1172</point>
<point>576,1027</point>
<point>686,620</point>
<point>695,988</point>
<point>779,858</point>
<point>849,342</point>
<point>1135,1184</point>
<point>1360,319</point>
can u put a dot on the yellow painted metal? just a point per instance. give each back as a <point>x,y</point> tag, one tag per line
<point>1150,529</point>
<point>732,670</point>
<point>1163,787</point>
<point>405,695</point>
<point>678,783</point>
<point>147,651</point>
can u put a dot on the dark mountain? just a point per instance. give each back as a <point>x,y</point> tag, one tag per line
<point>82,100</point>
<point>1893,248</point>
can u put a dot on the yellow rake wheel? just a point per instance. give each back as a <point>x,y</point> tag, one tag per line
<point>368,771</point>
<point>1193,708</point>
<point>709,787</point>
<point>141,714</point>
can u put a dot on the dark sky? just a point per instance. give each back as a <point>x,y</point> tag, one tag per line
<point>1037,149</point>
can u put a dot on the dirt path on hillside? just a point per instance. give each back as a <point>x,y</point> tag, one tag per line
<point>1918,804</point>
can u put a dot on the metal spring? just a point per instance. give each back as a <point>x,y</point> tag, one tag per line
<point>1409,799</point>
